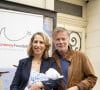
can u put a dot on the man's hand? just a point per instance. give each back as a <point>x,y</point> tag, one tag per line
<point>73,88</point>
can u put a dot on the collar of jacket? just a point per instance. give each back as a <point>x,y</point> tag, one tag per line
<point>69,54</point>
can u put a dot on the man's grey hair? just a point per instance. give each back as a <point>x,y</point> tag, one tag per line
<point>60,29</point>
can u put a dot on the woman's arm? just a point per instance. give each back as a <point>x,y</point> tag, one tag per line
<point>17,78</point>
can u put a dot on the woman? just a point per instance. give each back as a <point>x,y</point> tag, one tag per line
<point>38,61</point>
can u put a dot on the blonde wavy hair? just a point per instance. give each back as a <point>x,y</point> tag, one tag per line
<point>30,51</point>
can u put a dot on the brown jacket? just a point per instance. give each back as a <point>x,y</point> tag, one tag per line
<point>80,70</point>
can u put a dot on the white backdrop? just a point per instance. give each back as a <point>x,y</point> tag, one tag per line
<point>16,29</point>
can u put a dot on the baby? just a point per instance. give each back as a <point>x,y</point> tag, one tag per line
<point>38,77</point>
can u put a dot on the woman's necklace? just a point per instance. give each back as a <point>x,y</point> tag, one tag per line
<point>36,65</point>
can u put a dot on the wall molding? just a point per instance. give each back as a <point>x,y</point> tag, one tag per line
<point>71,20</point>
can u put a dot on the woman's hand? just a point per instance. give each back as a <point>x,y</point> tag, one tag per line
<point>73,88</point>
<point>36,86</point>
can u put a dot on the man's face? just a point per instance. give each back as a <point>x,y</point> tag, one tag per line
<point>61,41</point>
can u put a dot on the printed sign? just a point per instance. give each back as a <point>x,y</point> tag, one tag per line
<point>16,29</point>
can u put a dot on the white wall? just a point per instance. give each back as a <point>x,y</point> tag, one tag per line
<point>93,36</point>
<point>47,4</point>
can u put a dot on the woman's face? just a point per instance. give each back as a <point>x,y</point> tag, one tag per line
<point>38,45</point>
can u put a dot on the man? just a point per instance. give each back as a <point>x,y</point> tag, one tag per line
<point>73,65</point>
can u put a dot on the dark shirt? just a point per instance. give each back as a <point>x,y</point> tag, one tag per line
<point>64,67</point>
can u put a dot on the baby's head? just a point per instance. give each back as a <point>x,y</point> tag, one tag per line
<point>53,74</point>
